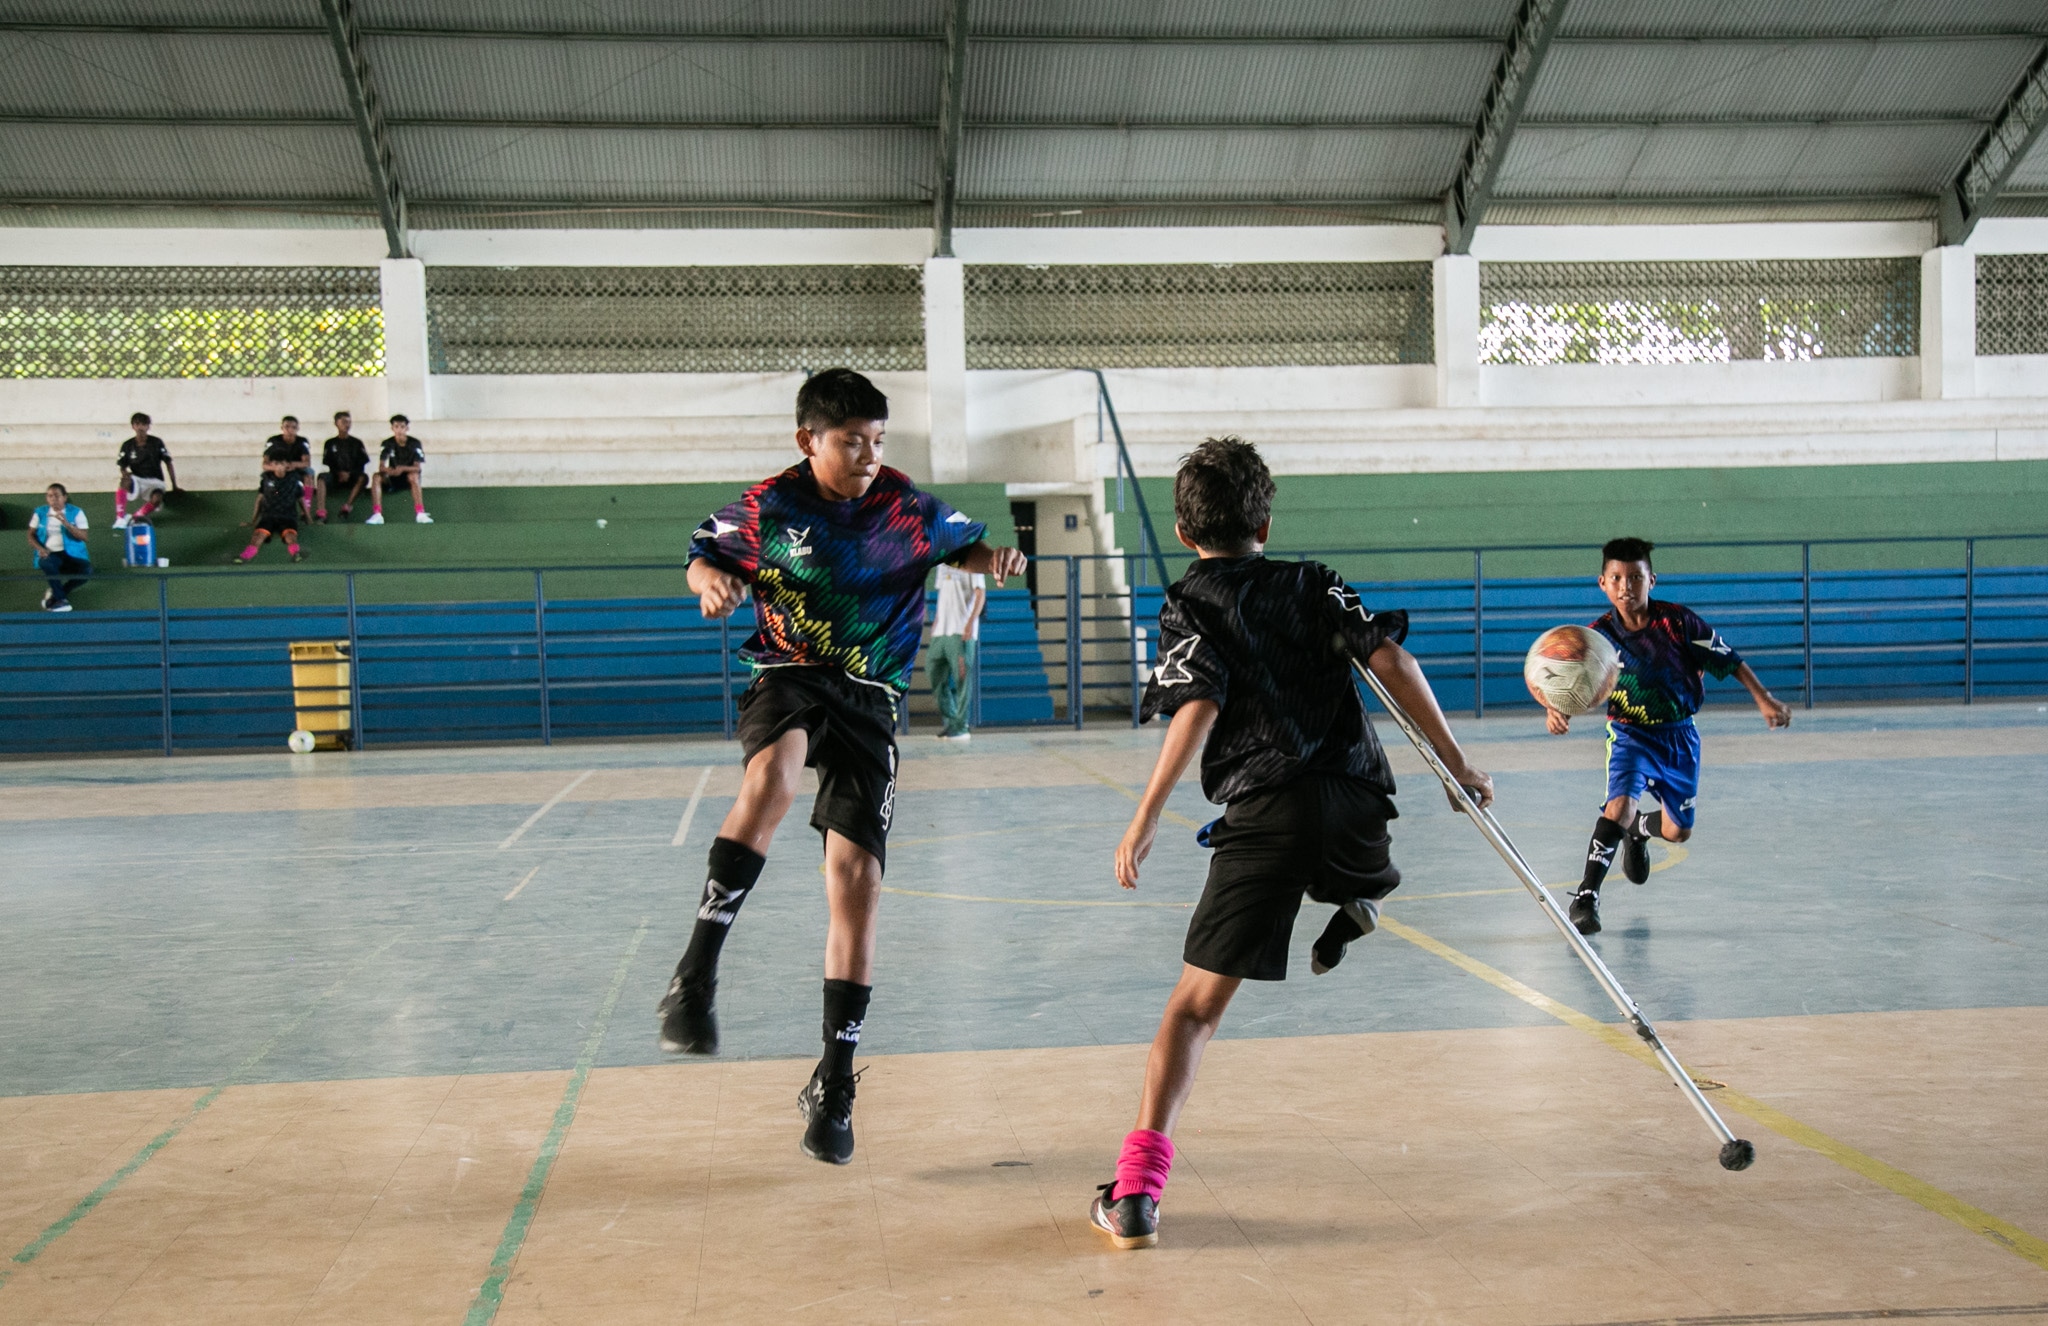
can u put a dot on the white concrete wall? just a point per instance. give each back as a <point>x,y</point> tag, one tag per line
<point>1039,428</point>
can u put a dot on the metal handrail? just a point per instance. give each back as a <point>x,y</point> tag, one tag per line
<point>1148,536</point>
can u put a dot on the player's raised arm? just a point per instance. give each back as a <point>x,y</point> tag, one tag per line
<point>989,560</point>
<point>1402,676</point>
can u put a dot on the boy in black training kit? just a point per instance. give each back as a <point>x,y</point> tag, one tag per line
<point>279,497</point>
<point>1255,668</point>
<point>1652,745</point>
<point>836,550</point>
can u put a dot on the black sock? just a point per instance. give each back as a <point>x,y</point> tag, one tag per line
<point>1649,824</point>
<point>1600,852</point>
<point>1340,931</point>
<point>733,868</point>
<point>846,1008</point>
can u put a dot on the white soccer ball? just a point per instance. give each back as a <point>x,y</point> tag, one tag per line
<point>301,742</point>
<point>1571,669</point>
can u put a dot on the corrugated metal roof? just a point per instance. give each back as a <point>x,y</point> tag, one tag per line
<point>1153,164</point>
<point>1917,17</point>
<point>200,164</point>
<point>1234,18</point>
<point>710,81</point>
<point>105,73</point>
<point>1801,80</point>
<point>1074,82</point>
<point>1750,161</point>
<point>655,166</point>
<point>774,17</point>
<point>243,13</point>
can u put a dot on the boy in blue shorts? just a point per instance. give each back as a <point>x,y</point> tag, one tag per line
<point>1652,745</point>
<point>1255,668</point>
<point>835,551</point>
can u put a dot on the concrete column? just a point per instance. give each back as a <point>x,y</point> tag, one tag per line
<point>1455,279</point>
<point>945,365</point>
<point>1948,323</point>
<point>408,383</point>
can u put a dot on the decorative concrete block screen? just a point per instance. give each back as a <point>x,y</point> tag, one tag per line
<point>1697,312</point>
<point>674,319</point>
<point>2012,304</point>
<point>190,322</point>
<point>1199,315</point>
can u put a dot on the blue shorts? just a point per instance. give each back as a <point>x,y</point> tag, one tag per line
<point>1663,761</point>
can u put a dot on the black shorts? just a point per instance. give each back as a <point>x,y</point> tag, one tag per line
<point>852,726</point>
<point>1320,836</point>
<point>278,524</point>
<point>343,478</point>
<point>396,483</point>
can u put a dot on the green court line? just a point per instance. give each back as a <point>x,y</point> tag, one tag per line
<point>491,1293</point>
<point>87,1203</point>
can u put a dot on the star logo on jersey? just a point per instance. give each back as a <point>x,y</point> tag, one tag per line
<point>1348,601</point>
<point>956,519</point>
<point>1173,664</point>
<point>799,541</point>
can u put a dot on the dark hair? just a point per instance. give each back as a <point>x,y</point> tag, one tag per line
<point>139,418</point>
<point>60,488</point>
<point>399,419</point>
<point>1626,550</point>
<point>1222,495</point>
<point>830,398</point>
<point>289,419</point>
<point>343,414</point>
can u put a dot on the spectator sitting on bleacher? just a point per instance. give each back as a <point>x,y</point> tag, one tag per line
<point>278,500</point>
<point>144,460</point>
<point>57,533</point>
<point>348,465</point>
<point>399,463</point>
<point>295,453</point>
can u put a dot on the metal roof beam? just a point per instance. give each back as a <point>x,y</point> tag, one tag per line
<point>1536,22</point>
<point>1991,163</point>
<point>369,121</point>
<point>952,118</point>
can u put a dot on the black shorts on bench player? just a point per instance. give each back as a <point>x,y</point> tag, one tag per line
<point>835,550</point>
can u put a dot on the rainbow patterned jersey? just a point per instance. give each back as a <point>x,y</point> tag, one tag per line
<point>836,584</point>
<point>1661,665</point>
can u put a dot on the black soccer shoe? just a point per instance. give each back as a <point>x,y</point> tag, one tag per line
<point>1585,912</point>
<point>1130,1221</point>
<point>827,1106</point>
<point>1360,915</point>
<point>1635,856</point>
<point>688,1023</point>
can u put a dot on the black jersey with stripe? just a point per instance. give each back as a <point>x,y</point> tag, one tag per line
<point>1257,636</point>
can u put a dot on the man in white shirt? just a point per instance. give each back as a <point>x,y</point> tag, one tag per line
<point>57,534</point>
<point>949,662</point>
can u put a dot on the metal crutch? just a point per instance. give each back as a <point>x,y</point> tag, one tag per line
<point>1735,1152</point>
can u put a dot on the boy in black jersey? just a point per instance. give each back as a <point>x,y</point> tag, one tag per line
<point>295,454</point>
<point>144,461</point>
<point>347,466</point>
<point>1652,745</point>
<point>399,463</point>
<point>279,496</point>
<point>1255,668</point>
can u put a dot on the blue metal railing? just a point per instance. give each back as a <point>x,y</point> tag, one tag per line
<point>554,666</point>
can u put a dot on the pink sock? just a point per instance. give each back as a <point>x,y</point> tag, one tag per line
<point>121,500</point>
<point>1146,1161</point>
<point>249,553</point>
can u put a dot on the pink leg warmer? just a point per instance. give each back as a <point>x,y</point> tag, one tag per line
<point>1146,1161</point>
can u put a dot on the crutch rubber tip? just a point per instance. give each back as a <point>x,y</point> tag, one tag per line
<point>1737,1154</point>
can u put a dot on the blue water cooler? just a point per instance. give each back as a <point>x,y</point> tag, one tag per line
<point>141,544</point>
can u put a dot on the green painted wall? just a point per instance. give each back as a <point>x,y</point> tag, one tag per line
<point>1587,507</point>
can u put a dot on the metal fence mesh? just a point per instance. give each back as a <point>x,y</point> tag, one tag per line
<point>1697,312</point>
<point>190,322</point>
<point>1190,315</point>
<point>674,319</point>
<point>2012,304</point>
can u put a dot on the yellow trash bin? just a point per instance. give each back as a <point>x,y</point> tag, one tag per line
<point>320,694</point>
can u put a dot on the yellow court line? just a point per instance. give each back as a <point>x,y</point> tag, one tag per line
<point>1944,1204</point>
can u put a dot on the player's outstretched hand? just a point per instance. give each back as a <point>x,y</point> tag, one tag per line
<point>1558,723</point>
<point>1136,846</point>
<point>1008,562</point>
<point>721,592</point>
<point>1776,712</point>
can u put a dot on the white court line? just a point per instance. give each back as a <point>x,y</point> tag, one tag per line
<point>552,802</point>
<point>523,883</point>
<point>690,811</point>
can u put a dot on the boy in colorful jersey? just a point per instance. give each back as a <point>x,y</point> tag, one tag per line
<point>836,550</point>
<point>1255,668</point>
<point>1652,745</point>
